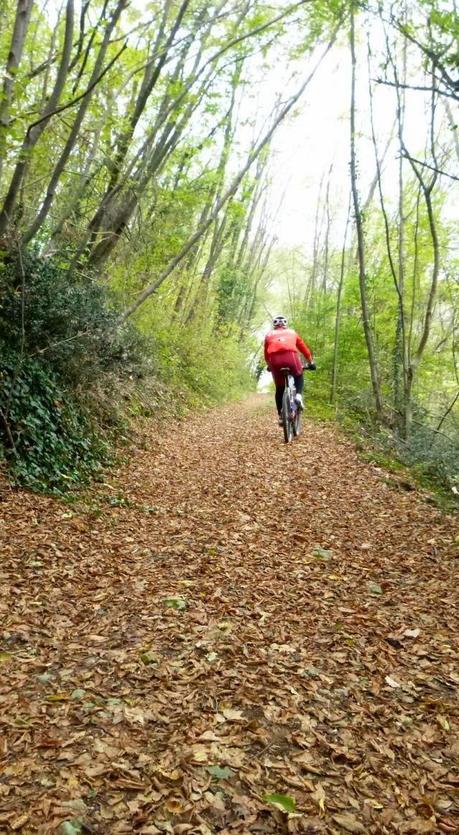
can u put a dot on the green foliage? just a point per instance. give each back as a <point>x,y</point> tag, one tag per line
<point>47,440</point>
<point>66,321</point>
<point>433,455</point>
<point>231,290</point>
<point>283,802</point>
<point>203,367</point>
<point>57,343</point>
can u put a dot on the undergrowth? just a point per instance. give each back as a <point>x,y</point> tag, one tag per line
<point>57,343</point>
<point>49,442</point>
<point>70,379</point>
<point>430,459</point>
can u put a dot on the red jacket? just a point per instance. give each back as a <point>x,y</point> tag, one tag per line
<point>285,339</point>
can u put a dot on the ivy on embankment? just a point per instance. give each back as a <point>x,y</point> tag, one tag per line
<point>57,340</point>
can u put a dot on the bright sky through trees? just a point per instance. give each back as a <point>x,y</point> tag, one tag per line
<point>317,137</point>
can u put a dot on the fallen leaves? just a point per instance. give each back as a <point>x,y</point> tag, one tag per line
<point>375,588</point>
<point>349,823</point>
<point>322,553</point>
<point>319,796</point>
<point>412,633</point>
<point>220,773</point>
<point>174,603</point>
<point>273,649</point>
<point>281,801</point>
<point>232,715</point>
<point>392,682</point>
<point>19,822</point>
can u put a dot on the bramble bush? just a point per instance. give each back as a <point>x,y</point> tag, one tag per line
<point>69,375</point>
<point>48,441</point>
<point>57,339</point>
<point>69,322</point>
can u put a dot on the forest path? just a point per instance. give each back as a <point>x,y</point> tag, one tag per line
<point>229,618</point>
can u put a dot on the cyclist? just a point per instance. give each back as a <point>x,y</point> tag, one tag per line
<point>282,345</point>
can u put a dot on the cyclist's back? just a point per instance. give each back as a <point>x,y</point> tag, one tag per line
<point>281,349</point>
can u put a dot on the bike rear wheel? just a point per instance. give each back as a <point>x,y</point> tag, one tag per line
<point>286,422</point>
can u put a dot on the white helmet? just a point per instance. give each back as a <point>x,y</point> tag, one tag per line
<point>279,322</point>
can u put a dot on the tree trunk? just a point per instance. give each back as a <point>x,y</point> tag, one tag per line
<point>75,130</point>
<point>334,375</point>
<point>100,252</point>
<point>35,131</point>
<point>21,24</point>
<point>203,288</point>
<point>148,83</point>
<point>427,189</point>
<point>400,354</point>
<point>253,156</point>
<point>368,331</point>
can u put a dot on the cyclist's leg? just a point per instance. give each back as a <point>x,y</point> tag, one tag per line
<point>279,381</point>
<point>299,383</point>
<point>279,395</point>
<point>299,386</point>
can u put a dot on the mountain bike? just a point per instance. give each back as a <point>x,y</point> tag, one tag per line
<point>291,412</point>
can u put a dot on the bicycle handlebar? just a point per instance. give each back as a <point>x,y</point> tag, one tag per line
<point>311,366</point>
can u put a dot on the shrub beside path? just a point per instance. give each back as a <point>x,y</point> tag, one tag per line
<point>230,636</point>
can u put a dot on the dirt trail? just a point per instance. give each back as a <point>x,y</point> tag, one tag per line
<point>227,619</point>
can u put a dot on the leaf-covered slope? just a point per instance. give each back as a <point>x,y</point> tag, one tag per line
<point>232,630</point>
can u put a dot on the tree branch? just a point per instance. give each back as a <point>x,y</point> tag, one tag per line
<point>430,167</point>
<point>148,291</point>
<point>449,409</point>
<point>81,96</point>
<point>415,87</point>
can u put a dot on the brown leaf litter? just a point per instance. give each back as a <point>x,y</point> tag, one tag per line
<point>228,617</point>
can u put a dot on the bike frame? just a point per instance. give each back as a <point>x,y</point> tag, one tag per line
<point>291,414</point>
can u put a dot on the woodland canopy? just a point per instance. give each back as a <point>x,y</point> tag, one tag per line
<point>138,219</point>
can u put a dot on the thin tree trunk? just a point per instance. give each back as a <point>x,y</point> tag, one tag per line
<point>320,298</point>
<point>334,376</point>
<point>21,24</point>
<point>396,269</point>
<point>263,268</point>
<point>401,347</point>
<point>218,237</point>
<point>253,156</point>
<point>369,339</point>
<point>448,411</point>
<point>149,80</point>
<point>400,365</point>
<point>427,189</point>
<point>120,201</point>
<point>311,284</point>
<point>203,288</point>
<point>73,209</point>
<point>327,232</point>
<point>73,136</point>
<point>33,134</point>
<point>121,211</point>
<point>453,125</point>
<point>190,268</point>
<point>101,252</point>
<point>49,64</point>
<point>258,270</point>
<point>240,250</point>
